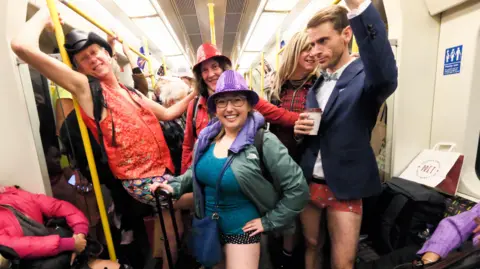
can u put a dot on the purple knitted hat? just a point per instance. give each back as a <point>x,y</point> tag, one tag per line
<point>231,81</point>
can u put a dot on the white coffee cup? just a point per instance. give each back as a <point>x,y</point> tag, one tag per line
<point>314,114</point>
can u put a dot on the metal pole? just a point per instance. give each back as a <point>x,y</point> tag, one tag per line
<point>83,130</point>
<point>211,15</point>
<point>101,27</point>
<point>149,62</point>
<point>354,46</point>
<point>262,73</point>
<point>277,57</point>
<point>354,42</point>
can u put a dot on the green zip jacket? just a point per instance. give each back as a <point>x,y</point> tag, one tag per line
<point>278,203</point>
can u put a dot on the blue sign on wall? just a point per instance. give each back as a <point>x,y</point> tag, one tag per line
<point>453,60</point>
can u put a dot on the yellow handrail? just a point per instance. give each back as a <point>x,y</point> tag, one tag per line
<point>211,16</point>
<point>277,48</point>
<point>354,45</point>
<point>354,42</point>
<point>101,27</point>
<point>83,130</point>
<point>262,73</point>
<point>149,62</point>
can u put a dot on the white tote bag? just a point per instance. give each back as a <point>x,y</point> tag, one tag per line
<point>436,168</point>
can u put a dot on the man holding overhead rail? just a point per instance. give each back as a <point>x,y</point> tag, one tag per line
<point>339,161</point>
<point>124,121</point>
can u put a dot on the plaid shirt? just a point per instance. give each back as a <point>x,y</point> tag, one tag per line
<point>293,100</point>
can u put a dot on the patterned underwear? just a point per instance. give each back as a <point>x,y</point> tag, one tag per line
<point>140,188</point>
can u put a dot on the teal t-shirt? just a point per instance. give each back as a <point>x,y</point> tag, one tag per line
<point>235,210</point>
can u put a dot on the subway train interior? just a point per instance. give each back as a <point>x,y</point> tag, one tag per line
<point>86,162</point>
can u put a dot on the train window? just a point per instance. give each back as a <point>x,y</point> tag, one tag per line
<point>477,163</point>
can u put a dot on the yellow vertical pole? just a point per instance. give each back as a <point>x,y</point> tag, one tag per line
<point>262,73</point>
<point>250,79</point>
<point>354,46</point>
<point>211,16</point>
<point>83,130</point>
<point>149,61</point>
<point>354,42</point>
<point>277,57</point>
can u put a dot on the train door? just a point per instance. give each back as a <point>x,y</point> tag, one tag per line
<point>456,111</point>
<point>35,102</point>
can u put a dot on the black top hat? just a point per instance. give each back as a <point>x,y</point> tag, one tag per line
<point>78,40</point>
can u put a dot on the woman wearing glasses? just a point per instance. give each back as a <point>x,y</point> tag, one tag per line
<point>248,204</point>
<point>210,65</point>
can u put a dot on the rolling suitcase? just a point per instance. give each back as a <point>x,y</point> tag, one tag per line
<point>168,197</point>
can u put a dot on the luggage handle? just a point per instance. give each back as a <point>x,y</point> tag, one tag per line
<point>163,193</point>
<point>445,145</point>
<point>160,192</point>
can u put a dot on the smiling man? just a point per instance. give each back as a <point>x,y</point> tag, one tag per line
<point>126,122</point>
<point>123,120</point>
<point>339,161</point>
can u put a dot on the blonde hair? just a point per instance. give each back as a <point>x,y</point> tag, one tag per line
<point>296,45</point>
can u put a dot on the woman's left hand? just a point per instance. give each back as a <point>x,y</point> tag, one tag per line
<point>255,226</point>
<point>430,257</point>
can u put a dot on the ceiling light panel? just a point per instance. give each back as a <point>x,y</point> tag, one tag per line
<point>302,19</point>
<point>246,59</point>
<point>265,28</point>
<point>136,8</point>
<point>156,31</point>
<point>95,10</point>
<point>179,61</point>
<point>280,5</point>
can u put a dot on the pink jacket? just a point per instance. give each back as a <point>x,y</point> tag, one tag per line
<point>36,206</point>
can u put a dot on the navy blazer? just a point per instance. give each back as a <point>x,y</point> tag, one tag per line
<point>349,164</point>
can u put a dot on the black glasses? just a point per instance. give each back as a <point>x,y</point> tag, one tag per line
<point>237,101</point>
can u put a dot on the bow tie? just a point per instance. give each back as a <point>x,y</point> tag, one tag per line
<point>328,77</point>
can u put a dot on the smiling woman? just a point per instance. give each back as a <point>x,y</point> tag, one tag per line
<point>247,204</point>
<point>210,65</point>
